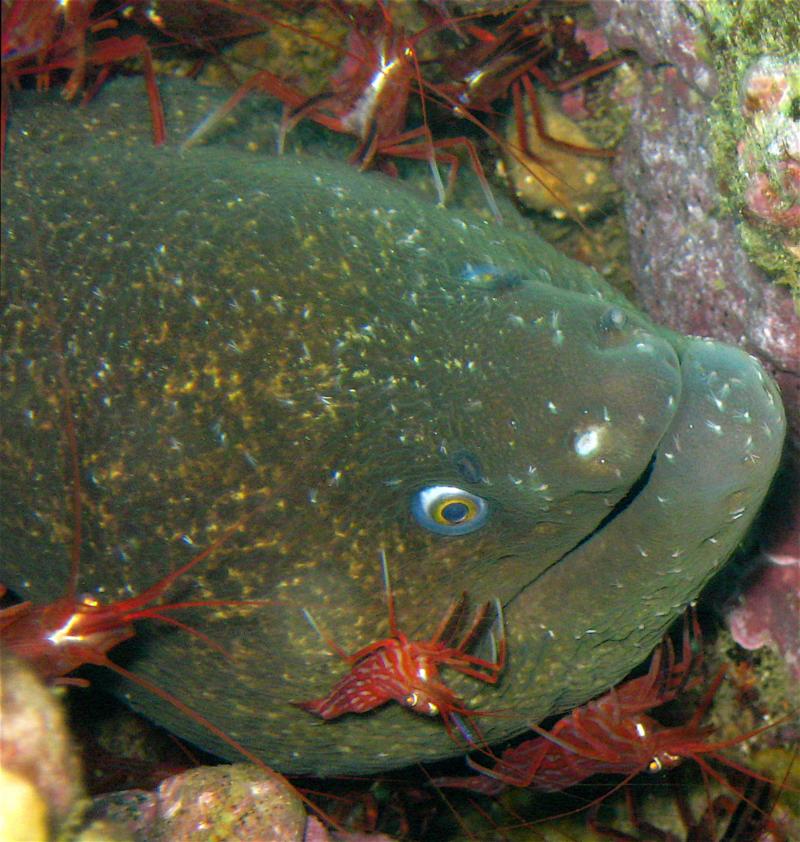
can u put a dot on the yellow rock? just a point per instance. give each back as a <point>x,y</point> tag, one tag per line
<point>23,813</point>
<point>557,180</point>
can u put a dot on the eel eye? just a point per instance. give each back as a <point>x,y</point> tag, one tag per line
<point>447,510</point>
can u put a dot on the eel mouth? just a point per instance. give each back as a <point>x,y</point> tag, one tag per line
<point>625,502</point>
<point>685,513</point>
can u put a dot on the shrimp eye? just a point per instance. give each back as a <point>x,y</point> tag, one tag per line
<point>447,510</point>
<point>664,760</point>
<point>414,701</point>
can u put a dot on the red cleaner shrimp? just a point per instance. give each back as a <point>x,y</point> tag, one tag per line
<point>368,97</point>
<point>406,671</point>
<point>614,734</point>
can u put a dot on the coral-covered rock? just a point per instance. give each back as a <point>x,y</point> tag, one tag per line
<point>768,152</point>
<point>240,802</point>
<point>769,614</point>
<point>41,775</point>
<point>767,611</point>
<point>660,32</point>
<point>23,815</point>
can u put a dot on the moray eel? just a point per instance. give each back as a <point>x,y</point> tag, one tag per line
<point>348,372</point>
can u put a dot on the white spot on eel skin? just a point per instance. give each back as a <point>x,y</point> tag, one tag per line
<point>587,443</point>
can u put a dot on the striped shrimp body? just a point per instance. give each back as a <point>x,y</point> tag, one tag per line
<point>368,97</point>
<point>614,734</point>
<point>476,60</point>
<point>407,671</point>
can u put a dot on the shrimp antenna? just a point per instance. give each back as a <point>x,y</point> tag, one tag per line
<point>387,584</point>
<point>463,728</point>
<point>331,643</point>
<point>500,623</point>
<point>313,623</point>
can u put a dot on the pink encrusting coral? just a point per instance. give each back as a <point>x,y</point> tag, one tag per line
<point>770,203</point>
<point>769,150</point>
<point>782,544</point>
<point>767,612</point>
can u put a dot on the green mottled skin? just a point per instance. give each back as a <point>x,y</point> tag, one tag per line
<point>291,338</point>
